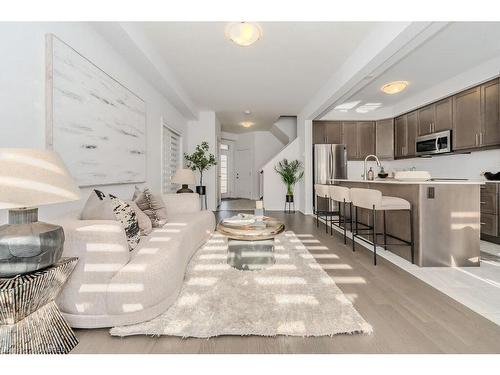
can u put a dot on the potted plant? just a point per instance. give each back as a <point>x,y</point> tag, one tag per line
<point>200,160</point>
<point>291,172</point>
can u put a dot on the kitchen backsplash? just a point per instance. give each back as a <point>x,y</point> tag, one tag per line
<point>445,166</point>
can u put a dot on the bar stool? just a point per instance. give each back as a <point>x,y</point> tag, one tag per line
<point>342,196</point>
<point>322,192</point>
<point>373,200</point>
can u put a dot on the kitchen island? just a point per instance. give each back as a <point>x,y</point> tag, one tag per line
<point>446,217</point>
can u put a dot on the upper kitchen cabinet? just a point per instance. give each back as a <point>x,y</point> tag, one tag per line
<point>366,139</point>
<point>426,119</point>
<point>400,137</point>
<point>333,132</point>
<point>490,106</point>
<point>443,118</point>
<point>435,117</point>
<point>327,132</point>
<point>411,133</point>
<point>350,139</point>
<point>405,132</point>
<point>319,132</point>
<point>467,119</point>
<point>384,139</point>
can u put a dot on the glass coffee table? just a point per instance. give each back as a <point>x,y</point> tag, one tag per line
<point>250,246</point>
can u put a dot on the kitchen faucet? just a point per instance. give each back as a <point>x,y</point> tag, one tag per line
<point>365,177</point>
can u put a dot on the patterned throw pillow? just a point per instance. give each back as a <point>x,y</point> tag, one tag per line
<point>145,225</point>
<point>128,219</point>
<point>152,205</point>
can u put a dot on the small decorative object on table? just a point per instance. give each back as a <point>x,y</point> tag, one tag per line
<point>200,160</point>
<point>291,173</point>
<point>184,177</point>
<point>259,210</point>
<point>30,322</point>
<point>492,176</point>
<point>382,173</point>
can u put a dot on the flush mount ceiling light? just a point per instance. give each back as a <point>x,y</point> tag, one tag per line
<point>246,124</point>
<point>246,112</point>
<point>394,87</point>
<point>243,33</point>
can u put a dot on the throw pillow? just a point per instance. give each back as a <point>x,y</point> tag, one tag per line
<point>125,214</point>
<point>152,205</point>
<point>145,225</point>
<point>98,207</point>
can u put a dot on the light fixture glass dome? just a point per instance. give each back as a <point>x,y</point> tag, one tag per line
<point>246,124</point>
<point>394,87</point>
<point>243,33</point>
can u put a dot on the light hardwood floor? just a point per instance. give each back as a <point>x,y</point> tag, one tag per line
<point>407,315</point>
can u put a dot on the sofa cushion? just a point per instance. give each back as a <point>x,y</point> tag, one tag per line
<point>128,219</point>
<point>98,207</point>
<point>152,205</point>
<point>145,225</point>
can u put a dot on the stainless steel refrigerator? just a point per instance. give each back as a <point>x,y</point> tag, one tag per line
<point>330,162</point>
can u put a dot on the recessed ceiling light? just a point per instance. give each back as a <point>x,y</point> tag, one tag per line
<point>246,112</point>
<point>246,124</point>
<point>348,105</point>
<point>394,87</point>
<point>243,33</point>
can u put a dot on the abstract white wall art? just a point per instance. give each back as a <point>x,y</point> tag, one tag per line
<point>96,124</point>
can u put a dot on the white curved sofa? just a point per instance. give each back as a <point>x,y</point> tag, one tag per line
<point>112,286</point>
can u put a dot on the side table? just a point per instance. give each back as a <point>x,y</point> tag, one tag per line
<point>30,321</point>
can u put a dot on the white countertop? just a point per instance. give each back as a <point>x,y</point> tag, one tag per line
<point>393,181</point>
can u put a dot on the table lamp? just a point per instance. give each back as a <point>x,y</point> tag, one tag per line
<point>30,178</point>
<point>184,177</point>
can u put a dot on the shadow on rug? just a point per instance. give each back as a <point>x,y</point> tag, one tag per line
<point>293,297</point>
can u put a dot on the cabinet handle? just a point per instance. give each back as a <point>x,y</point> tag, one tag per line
<point>481,138</point>
<point>483,223</point>
<point>482,202</point>
<point>476,139</point>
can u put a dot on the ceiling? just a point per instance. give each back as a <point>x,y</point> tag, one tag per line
<point>275,76</point>
<point>455,49</point>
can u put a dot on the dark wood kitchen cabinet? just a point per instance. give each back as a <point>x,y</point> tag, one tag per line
<point>327,132</point>
<point>490,212</point>
<point>426,119</point>
<point>350,139</point>
<point>466,119</point>
<point>411,133</point>
<point>333,132</point>
<point>384,139</point>
<point>366,139</point>
<point>400,136</point>
<point>490,107</point>
<point>443,118</point>
<point>405,135</point>
<point>319,132</point>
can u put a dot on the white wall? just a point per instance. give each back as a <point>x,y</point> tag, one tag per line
<point>206,129</point>
<point>274,188</point>
<point>22,94</point>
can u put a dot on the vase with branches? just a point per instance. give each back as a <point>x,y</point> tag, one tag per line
<point>200,160</point>
<point>290,172</point>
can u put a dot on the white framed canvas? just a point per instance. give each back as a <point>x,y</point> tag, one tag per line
<point>95,123</point>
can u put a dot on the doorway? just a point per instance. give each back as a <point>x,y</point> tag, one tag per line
<point>243,171</point>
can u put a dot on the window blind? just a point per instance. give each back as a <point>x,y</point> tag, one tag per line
<point>171,158</point>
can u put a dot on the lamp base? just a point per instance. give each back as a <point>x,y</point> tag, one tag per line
<point>184,189</point>
<point>28,245</point>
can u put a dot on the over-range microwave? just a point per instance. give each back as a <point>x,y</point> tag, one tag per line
<point>435,143</point>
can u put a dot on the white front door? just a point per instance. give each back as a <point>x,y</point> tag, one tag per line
<point>243,174</point>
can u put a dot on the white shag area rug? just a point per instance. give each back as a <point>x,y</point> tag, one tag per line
<point>293,297</point>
